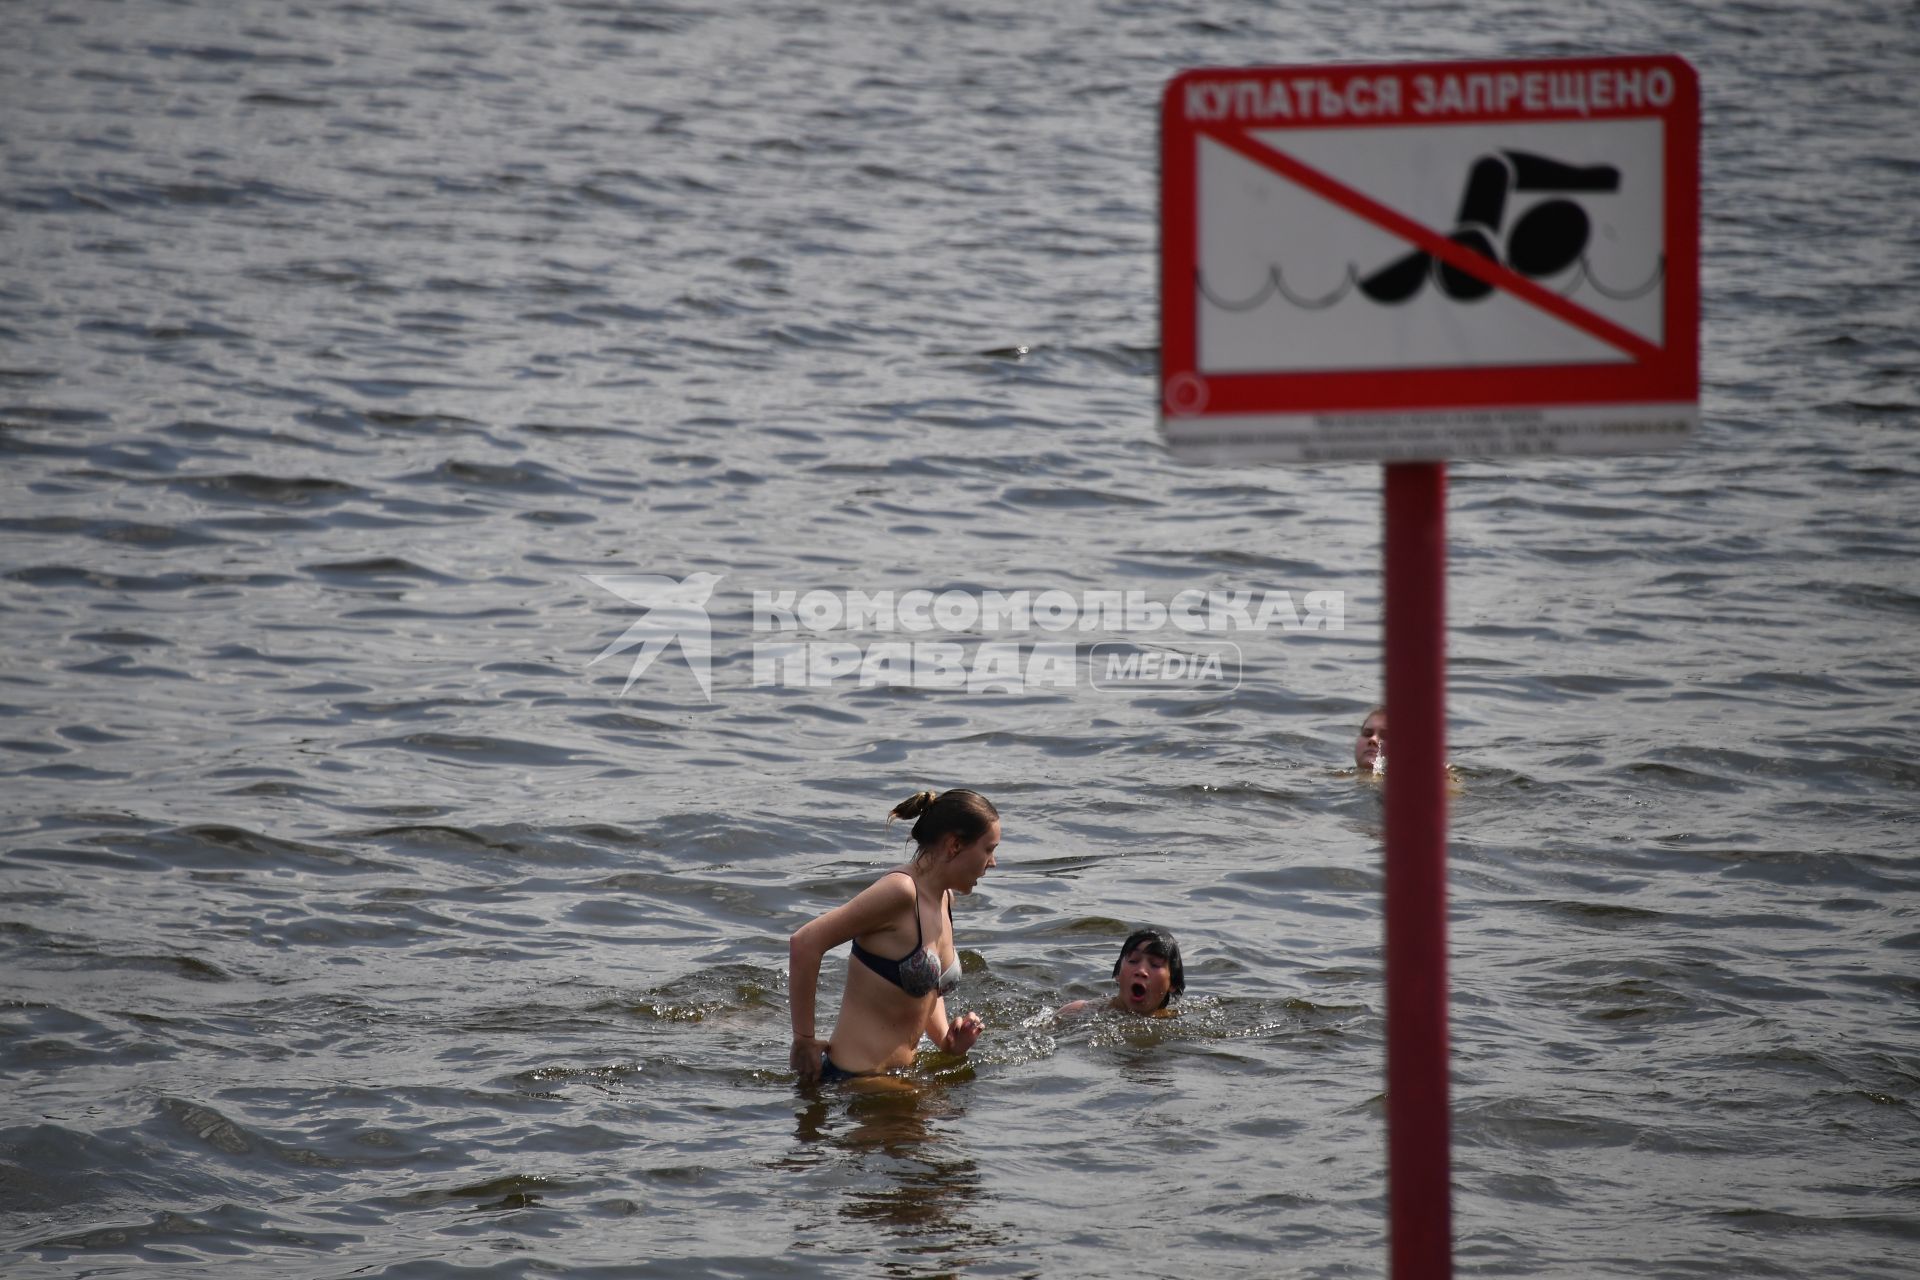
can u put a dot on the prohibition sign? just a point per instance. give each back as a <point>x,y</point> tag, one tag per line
<point>1426,261</point>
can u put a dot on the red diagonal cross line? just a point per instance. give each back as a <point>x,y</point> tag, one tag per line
<point>1484,269</point>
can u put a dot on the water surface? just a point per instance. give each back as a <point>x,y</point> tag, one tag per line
<point>354,923</point>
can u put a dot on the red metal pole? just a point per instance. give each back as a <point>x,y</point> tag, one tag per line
<point>1419,1202</point>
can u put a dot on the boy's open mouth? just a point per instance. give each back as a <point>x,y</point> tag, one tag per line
<point>1139,991</point>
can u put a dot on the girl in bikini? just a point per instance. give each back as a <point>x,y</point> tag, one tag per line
<point>904,964</point>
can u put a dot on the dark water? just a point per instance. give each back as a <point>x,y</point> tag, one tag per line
<point>353,924</point>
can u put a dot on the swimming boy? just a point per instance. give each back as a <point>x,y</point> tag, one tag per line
<point>1370,747</point>
<point>1149,973</point>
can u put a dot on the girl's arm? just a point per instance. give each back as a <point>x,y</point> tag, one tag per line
<point>872,910</point>
<point>957,1036</point>
<point>803,981</point>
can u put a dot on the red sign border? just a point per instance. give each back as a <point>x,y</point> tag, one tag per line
<point>1671,376</point>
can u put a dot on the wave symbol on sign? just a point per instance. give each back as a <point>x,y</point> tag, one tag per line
<point>1548,238</point>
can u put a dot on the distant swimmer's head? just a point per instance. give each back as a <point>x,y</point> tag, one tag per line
<point>1372,742</point>
<point>1149,970</point>
<point>959,829</point>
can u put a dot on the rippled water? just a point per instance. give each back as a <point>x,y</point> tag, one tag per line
<point>353,923</point>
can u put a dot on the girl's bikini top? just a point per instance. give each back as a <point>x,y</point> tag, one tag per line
<point>917,973</point>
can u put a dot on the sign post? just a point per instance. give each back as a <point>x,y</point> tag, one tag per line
<point>1420,1235</point>
<point>1406,264</point>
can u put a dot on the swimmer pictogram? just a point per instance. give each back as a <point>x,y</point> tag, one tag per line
<point>1544,240</point>
<point>1519,244</point>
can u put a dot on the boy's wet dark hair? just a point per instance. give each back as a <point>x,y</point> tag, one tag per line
<point>1159,943</point>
